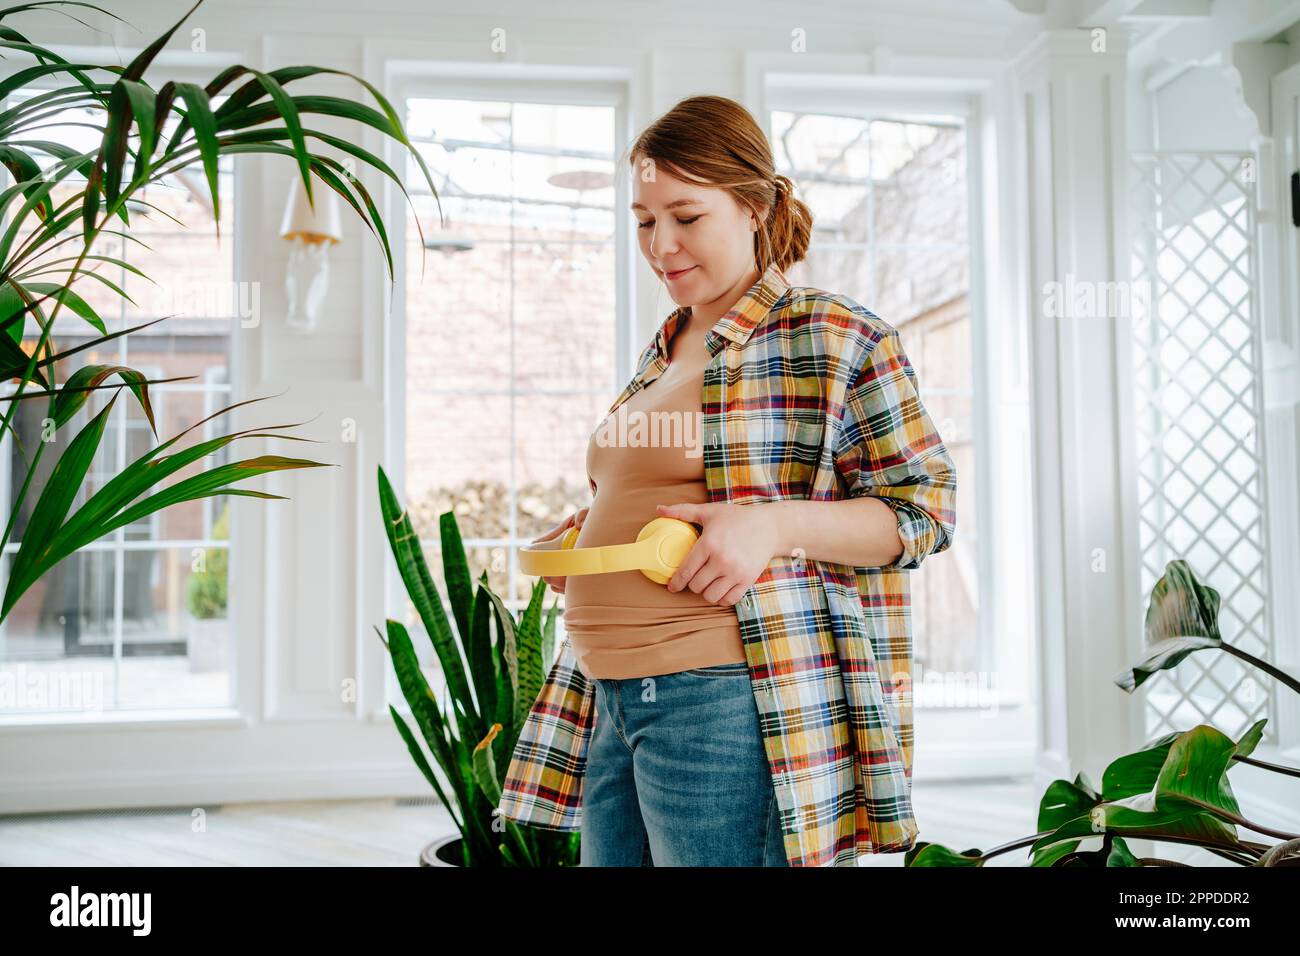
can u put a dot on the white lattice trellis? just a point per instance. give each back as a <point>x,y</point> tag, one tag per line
<point>1200,455</point>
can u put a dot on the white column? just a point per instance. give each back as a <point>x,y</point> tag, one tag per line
<point>1070,100</point>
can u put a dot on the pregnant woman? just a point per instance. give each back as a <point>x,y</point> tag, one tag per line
<point>756,710</point>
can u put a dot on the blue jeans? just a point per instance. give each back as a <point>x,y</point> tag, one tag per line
<point>676,774</point>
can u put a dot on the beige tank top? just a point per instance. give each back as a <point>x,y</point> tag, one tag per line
<point>648,452</point>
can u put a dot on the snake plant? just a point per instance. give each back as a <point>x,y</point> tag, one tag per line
<point>490,686</point>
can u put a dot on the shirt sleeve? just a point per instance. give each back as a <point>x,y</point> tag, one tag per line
<point>888,447</point>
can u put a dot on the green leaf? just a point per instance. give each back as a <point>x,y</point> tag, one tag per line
<point>1181,606</point>
<point>24,169</point>
<point>482,661</point>
<point>77,388</point>
<point>936,854</point>
<point>199,114</point>
<point>455,572</point>
<point>144,105</point>
<point>57,497</point>
<point>1182,617</point>
<point>405,545</point>
<point>418,756</point>
<point>289,113</point>
<point>60,293</point>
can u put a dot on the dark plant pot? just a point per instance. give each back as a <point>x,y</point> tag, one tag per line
<point>444,851</point>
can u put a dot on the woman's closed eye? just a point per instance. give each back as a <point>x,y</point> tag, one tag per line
<point>684,222</point>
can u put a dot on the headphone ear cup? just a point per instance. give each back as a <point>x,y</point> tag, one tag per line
<point>674,539</point>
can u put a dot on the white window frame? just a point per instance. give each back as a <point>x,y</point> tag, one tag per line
<point>848,85</point>
<point>196,68</point>
<point>460,80</point>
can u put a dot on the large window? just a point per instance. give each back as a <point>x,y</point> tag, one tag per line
<point>889,197</point>
<point>511,321</point>
<point>139,619</point>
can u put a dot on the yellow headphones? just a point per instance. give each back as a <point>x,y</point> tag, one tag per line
<point>659,550</point>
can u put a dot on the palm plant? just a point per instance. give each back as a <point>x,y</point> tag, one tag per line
<point>62,200</point>
<point>1175,789</point>
<point>491,686</point>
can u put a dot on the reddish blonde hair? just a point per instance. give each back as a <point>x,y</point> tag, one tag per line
<point>715,140</point>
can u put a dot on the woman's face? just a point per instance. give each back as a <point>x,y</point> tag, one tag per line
<point>698,240</point>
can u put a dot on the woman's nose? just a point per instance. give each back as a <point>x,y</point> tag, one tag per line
<point>662,243</point>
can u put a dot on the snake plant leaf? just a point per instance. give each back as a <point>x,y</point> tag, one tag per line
<point>413,746</point>
<point>419,697</point>
<point>485,773</point>
<point>509,638</point>
<point>482,660</point>
<point>455,573</point>
<point>1182,617</point>
<point>548,632</point>
<point>529,635</point>
<point>507,675</point>
<point>405,545</point>
<point>524,657</point>
<point>429,718</point>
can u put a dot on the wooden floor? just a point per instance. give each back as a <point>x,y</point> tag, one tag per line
<point>392,832</point>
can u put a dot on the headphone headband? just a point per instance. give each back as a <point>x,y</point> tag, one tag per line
<point>659,550</point>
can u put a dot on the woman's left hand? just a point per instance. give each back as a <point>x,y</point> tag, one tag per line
<point>737,542</point>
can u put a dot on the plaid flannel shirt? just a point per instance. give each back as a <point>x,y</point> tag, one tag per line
<point>808,395</point>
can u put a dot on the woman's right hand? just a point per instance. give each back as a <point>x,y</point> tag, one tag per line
<point>574,520</point>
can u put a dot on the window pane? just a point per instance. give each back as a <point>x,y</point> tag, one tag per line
<point>510,349</point>
<point>889,201</point>
<point>147,620</point>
